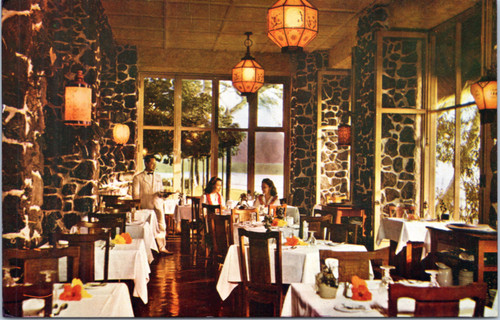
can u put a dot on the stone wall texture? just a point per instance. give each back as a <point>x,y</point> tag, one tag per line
<point>334,159</point>
<point>51,171</point>
<point>304,129</point>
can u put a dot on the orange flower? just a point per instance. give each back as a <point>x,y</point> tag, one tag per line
<point>127,237</point>
<point>360,290</point>
<point>293,241</point>
<point>71,293</point>
<point>275,222</point>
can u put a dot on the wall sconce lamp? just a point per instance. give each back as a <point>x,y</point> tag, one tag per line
<point>344,135</point>
<point>485,94</point>
<point>292,24</point>
<point>248,75</point>
<point>121,133</point>
<point>78,102</point>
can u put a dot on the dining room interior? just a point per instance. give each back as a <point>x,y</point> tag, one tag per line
<point>314,158</point>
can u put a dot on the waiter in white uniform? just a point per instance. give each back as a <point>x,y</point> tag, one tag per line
<point>147,186</point>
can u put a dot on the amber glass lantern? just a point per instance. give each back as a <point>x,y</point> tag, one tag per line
<point>121,133</point>
<point>78,102</point>
<point>344,133</point>
<point>248,75</point>
<point>292,24</point>
<point>485,94</point>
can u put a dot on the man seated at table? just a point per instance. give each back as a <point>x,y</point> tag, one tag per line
<point>147,186</point>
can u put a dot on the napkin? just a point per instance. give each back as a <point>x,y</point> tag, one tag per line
<point>74,291</point>
<point>123,238</point>
<point>333,264</point>
<point>360,291</point>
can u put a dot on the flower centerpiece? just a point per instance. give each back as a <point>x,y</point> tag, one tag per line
<point>279,220</point>
<point>326,283</point>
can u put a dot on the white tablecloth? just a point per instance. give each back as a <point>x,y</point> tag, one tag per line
<point>259,227</point>
<point>402,231</point>
<point>298,265</point>
<point>126,261</point>
<point>145,226</point>
<point>111,300</point>
<point>292,211</point>
<point>182,213</point>
<point>169,205</point>
<point>302,300</point>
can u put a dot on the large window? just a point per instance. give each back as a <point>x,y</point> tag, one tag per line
<point>457,66</point>
<point>177,124</point>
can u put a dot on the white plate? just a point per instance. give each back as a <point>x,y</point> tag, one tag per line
<point>351,307</point>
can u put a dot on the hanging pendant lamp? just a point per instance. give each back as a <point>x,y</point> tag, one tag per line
<point>248,75</point>
<point>292,24</point>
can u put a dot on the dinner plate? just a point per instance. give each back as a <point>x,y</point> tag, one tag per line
<point>480,228</point>
<point>350,307</point>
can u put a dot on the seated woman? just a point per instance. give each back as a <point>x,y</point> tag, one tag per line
<point>212,193</point>
<point>269,195</point>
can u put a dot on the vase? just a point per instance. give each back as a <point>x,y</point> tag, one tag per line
<point>327,292</point>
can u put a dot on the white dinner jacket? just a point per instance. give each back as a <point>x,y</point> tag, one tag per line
<point>144,188</point>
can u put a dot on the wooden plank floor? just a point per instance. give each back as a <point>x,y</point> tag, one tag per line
<point>181,286</point>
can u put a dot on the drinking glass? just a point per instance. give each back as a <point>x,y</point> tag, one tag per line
<point>386,278</point>
<point>433,274</point>
<point>312,239</point>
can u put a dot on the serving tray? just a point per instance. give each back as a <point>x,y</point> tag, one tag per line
<point>480,228</point>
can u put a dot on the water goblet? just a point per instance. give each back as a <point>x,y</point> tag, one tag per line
<point>386,278</point>
<point>312,239</point>
<point>433,274</point>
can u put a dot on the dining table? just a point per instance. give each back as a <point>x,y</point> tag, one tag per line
<point>302,300</point>
<point>145,226</point>
<point>299,264</point>
<point>111,299</point>
<point>126,261</point>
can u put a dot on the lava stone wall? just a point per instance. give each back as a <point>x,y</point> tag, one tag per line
<point>402,70</point>
<point>22,116</point>
<point>335,159</point>
<point>363,117</point>
<point>304,129</point>
<point>52,171</point>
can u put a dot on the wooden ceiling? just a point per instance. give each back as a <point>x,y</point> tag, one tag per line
<point>218,26</point>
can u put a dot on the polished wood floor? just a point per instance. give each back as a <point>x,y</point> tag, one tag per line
<point>181,286</point>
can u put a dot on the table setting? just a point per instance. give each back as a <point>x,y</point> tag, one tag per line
<point>300,263</point>
<point>126,261</point>
<point>91,300</point>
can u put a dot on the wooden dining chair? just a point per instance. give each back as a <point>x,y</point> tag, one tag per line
<point>216,208</point>
<point>272,209</point>
<point>196,225</point>
<point>34,261</point>
<point>87,243</point>
<point>354,263</point>
<point>13,297</point>
<point>343,232</point>
<point>220,230</point>
<point>243,214</point>
<point>438,301</point>
<point>119,218</point>
<point>317,224</point>
<point>255,269</point>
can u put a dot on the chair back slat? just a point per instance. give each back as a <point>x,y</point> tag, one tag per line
<point>14,296</point>
<point>220,231</point>
<point>86,243</point>
<point>317,224</point>
<point>355,263</point>
<point>438,301</point>
<point>343,232</point>
<point>115,219</point>
<point>35,260</point>
<point>243,214</point>
<point>257,283</point>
